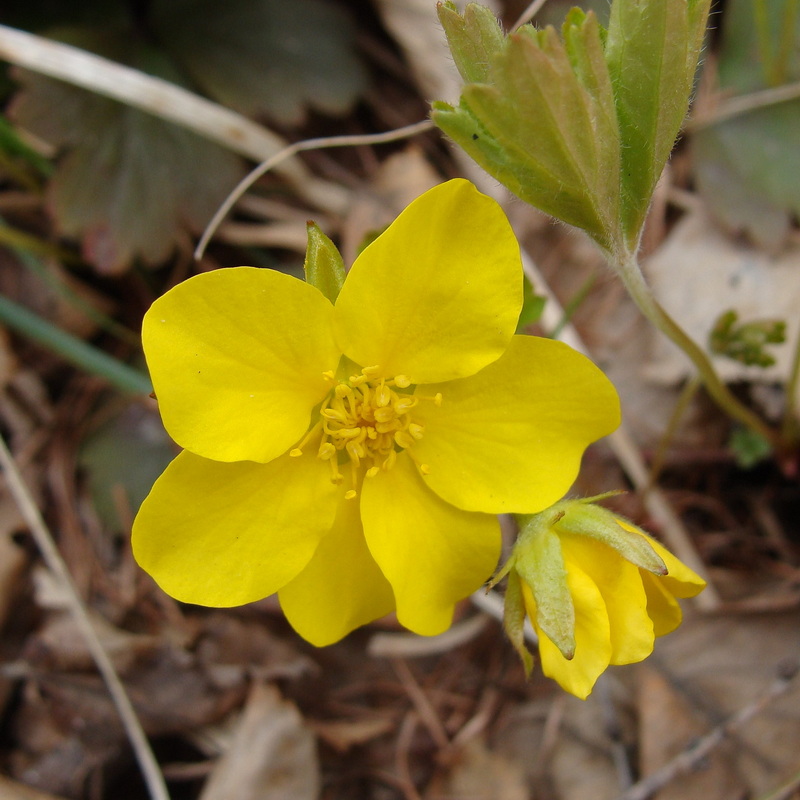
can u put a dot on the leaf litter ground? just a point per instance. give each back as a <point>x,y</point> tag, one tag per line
<point>238,707</point>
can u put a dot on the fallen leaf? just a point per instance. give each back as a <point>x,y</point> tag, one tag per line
<point>271,57</point>
<point>479,774</point>
<point>127,183</point>
<point>668,724</point>
<point>272,755</point>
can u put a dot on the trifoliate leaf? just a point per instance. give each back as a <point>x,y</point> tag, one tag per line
<point>323,266</point>
<point>748,167</point>
<point>269,57</point>
<point>127,183</point>
<point>542,122</point>
<point>652,49</point>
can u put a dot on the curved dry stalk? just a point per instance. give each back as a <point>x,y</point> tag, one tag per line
<point>44,541</point>
<point>292,150</point>
<point>167,101</point>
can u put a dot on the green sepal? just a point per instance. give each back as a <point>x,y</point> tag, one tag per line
<point>474,39</point>
<point>652,49</point>
<point>514,620</point>
<point>581,518</point>
<point>323,267</point>
<point>539,562</point>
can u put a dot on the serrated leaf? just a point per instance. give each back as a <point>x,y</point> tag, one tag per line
<point>544,131</point>
<point>748,167</point>
<point>127,183</point>
<point>128,452</point>
<point>474,39</point>
<point>269,57</point>
<point>652,49</point>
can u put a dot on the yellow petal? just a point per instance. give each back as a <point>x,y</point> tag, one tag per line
<point>680,581</point>
<point>236,357</point>
<point>510,439</point>
<point>222,535</point>
<point>341,588</point>
<point>620,584</point>
<point>432,554</point>
<point>662,607</point>
<point>592,637</point>
<point>437,295</point>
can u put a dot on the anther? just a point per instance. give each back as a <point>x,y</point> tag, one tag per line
<point>326,451</point>
<point>403,439</point>
<point>416,430</point>
<point>402,381</point>
<point>373,471</point>
<point>349,494</point>
<point>296,453</point>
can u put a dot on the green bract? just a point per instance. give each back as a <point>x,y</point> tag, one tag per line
<point>579,126</point>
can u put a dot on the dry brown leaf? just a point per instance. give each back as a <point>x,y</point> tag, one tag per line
<point>668,723</point>
<point>479,774</point>
<point>272,755</point>
<point>342,735</point>
<point>723,664</point>
<point>13,558</point>
<point>12,790</point>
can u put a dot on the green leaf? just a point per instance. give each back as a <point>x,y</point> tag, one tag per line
<point>748,167</point>
<point>474,39</point>
<point>127,183</point>
<point>323,265</point>
<point>76,351</point>
<point>147,450</point>
<point>746,342</point>
<point>543,123</point>
<point>749,448</point>
<point>269,57</point>
<point>652,48</point>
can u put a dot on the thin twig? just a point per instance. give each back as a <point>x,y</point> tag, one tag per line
<point>736,106</point>
<point>44,541</point>
<point>292,150</point>
<point>165,100</point>
<point>689,758</point>
<point>629,455</point>
<point>422,705</point>
<point>529,13</point>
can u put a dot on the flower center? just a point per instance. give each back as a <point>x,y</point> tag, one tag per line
<point>366,420</point>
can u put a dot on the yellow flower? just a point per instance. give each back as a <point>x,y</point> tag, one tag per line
<point>597,589</point>
<point>352,457</point>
